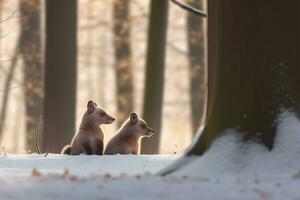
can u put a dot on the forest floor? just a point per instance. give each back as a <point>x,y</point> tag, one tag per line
<point>130,177</point>
<point>231,169</point>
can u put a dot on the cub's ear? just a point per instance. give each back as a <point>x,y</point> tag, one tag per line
<point>91,106</point>
<point>133,118</point>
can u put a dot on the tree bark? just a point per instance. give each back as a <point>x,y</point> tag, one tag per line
<point>60,74</point>
<point>155,66</point>
<point>253,57</point>
<point>253,69</point>
<point>123,64</point>
<point>196,45</point>
<point>31,51</point>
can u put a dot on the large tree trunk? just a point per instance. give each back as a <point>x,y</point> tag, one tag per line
<point>31,50</point>
<point>196,45</point>
<point>155,66</point>
<point>253,69</point>
<point>60,73</point>
<point>123,64</point>
<point>254,59</point>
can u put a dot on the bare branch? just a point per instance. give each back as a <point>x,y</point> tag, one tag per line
<point>12,88</point>
<point>9,17</point>
<point>189,8</point>
<point>176,48</point>
<point>4,35</point>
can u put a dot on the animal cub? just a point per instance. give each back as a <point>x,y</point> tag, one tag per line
<point>89,138</point>
<point>127,140</point>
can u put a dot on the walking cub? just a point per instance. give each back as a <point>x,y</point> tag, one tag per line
<point>89,138</point>
<point>128,138</point>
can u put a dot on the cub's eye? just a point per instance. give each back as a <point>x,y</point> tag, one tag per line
<point>102,114</point>
<point>143,126</point>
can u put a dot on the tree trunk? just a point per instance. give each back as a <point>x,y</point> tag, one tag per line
<point>254,58</point>
<point>31,50</point>
<point>8,80</point>
<point>196,45</point>
<point>123,64</point>
<point>253,69</point>
<point>1,16</point>
<point>155,66</point>
<point>60,74</point>
<point>5,98</point>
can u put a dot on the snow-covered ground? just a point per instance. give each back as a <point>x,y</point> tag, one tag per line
<point>83,166</point>
<point>229,170</point>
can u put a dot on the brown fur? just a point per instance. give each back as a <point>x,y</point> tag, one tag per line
<point>66,150</point>
<point>127,139</point>
<point>89,138</point>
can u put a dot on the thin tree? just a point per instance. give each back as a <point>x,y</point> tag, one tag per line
<point>7,87</point>
<point>31,51</point>
<point>123,64</point>
<point>8,80</point>
<point>253,69</point>
<point>155,66</point>
<point>60,74</point>
<point>196,56</point>
<point>1,14</point>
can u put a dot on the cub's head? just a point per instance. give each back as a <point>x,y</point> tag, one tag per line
<point>139,126</point>
<point>97,115</point>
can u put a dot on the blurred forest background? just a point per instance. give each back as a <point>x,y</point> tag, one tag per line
<point>117,60</point>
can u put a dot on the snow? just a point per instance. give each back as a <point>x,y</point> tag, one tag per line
<point>229,170</point>
<point>22,165</point>
<point>230,156</point>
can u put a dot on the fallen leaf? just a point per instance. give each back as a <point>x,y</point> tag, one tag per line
<point>35,173</point>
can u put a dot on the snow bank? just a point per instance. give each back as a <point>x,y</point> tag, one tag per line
<point>229,156</point>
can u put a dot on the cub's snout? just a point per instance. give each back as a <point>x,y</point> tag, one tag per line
<point>110,120</point>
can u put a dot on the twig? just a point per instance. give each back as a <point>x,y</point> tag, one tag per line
<point>189,8</point>
<point>6,60</point>
<point>9,17</point>
<point>37,131</point>
<point>176,48</point>
<point>4,35</point>
<point>46,154</point>
<point>12,88</point>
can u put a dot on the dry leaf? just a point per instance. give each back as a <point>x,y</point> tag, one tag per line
<point>108,176</point>
<point>66,173</point>
<point>35,172</point>
<point>138,176</point>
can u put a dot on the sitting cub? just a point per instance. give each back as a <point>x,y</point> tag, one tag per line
<point>127,140</point>
<point>89,138</point>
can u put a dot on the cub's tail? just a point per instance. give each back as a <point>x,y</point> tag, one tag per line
<point>66,150</point>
